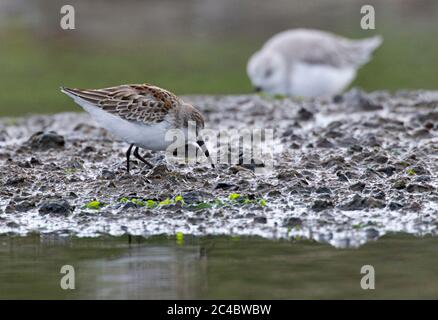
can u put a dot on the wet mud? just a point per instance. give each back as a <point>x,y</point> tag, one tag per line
<point>345,171</point>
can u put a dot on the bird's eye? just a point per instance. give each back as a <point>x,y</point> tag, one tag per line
<point>268,73</point>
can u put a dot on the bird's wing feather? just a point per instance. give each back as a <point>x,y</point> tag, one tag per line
<point>317,47</point>
<point>135,102</point>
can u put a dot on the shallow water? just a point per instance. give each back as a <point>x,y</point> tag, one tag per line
<point>215,267</point>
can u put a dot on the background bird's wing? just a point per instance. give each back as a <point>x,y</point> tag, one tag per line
<point>136,102</point>
<point>334,51</point>
<point>316,47</point>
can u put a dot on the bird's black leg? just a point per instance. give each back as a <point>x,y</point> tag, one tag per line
<point>201,143</point>
<point>128,155</point>
<point>139,157</point>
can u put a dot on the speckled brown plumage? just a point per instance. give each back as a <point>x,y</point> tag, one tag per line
<point>143,103</point>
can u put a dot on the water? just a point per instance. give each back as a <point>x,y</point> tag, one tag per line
<point>215,267</point>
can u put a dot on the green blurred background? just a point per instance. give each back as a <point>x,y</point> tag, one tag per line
<point>192,46</point>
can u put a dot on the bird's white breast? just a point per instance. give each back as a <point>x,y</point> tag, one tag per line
<point>316,80</point>
<point>151,137</point>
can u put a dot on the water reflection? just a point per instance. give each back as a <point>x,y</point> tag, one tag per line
<point>159,268</point>
<point>156,272</point>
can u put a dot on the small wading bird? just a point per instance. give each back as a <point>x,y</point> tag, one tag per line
<point>308,63</point>
<point>140,114</point>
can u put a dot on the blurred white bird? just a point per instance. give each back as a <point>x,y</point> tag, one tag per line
<point>308,63</point>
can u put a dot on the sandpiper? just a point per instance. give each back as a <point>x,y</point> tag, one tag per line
<point>308,63</point>
<point>140,114</point>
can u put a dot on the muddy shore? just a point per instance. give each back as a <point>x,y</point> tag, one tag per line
<point>345,171</point>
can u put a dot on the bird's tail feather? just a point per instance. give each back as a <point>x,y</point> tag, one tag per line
<point>364,49</point>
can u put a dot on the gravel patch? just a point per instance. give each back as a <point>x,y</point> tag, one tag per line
<point>345,171</point>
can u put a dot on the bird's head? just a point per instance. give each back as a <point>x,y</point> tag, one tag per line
<point>192,116</point>
<point>267,71</point>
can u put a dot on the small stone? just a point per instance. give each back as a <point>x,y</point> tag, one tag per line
<point>56,207</point>
<point>235,169</point>
<point>25,165</point>
<point>341,176</point>
<point>23,206</point>
<point>428,125</point>
<point>46,140</point>
<point>288,175</point>
<point>395,206</point>
<point>274,193</point>
<point>108,175</point>
<point>34,161</point>
<point>379,194</point>
<point>226,186</point>
<point>381,159</point>
<point>287,133</point>
<point>88,149</point>
<point>338,99</point>
<point>388,170</point>
<point>129,205</point>
<point>320,205</point>
<point>423,179</point>
<point>418,170</point>
<point>323,190</point>
<point>304,114</point>
<point>333,161</point>
<point>16,181</point>
<point>358,203</point>
<point>158,172</point>
<point>399,184</point>
<point>295,146</point>
<point>372,141</point>
<point>421,133</point>
<point>293,222</point>
<point>195,197</point>
<point>356,148</point>
<point>415,206</point>
<point>348,142</point>
<point>260,219</point>
<point>419,188</point>
<point>195,220</point>
<point>323,143</point>
<point>73,195</point>
<point>373,203</point>
<point>359,186</point>
<point>75,165</point>
<point>372,233</point>
<point>12,225</point>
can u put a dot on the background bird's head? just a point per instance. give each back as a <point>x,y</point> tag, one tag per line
<point>267,71</point>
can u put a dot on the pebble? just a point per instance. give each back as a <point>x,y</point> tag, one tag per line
<point>55,207</point>
<point>45,141</point>
<point>293,222</point>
